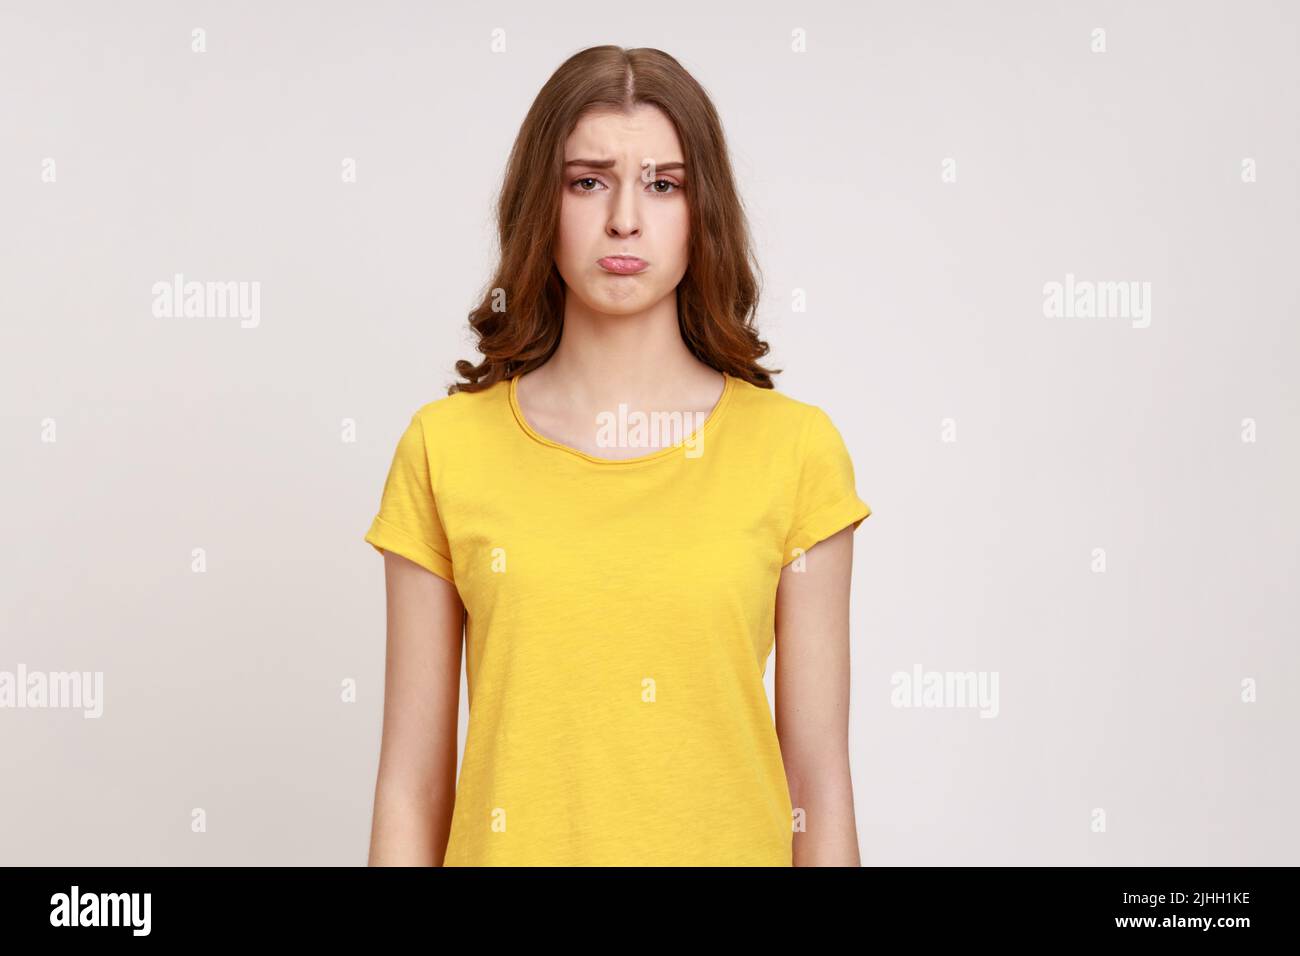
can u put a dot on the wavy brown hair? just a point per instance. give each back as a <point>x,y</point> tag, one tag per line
<point>521,312</point>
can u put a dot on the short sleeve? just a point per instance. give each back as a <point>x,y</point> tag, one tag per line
<point>408,522</point>
<point>826,499</point>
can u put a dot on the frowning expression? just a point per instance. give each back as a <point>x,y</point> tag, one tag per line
<point>624,221</point>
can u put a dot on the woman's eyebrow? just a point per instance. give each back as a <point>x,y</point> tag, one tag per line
<point>609,164</point>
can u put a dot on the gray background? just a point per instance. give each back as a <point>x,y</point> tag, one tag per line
<point>1119,690</point>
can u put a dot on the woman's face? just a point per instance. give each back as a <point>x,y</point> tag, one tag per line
<point>622,190</point>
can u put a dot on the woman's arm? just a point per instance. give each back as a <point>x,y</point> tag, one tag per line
<point>812,700</point>
<point>416,786</point>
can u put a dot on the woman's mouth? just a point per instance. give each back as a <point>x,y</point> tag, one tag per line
<point>622,265</point>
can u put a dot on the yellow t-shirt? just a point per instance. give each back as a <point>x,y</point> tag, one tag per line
<point>620,618</point>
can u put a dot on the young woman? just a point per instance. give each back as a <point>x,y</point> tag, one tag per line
<point>621,585</point>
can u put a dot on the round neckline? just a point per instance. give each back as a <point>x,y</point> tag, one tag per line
<point>710,421</point>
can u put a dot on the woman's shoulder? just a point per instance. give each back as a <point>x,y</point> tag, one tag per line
<point>777,410</point>
<point>462,409</point>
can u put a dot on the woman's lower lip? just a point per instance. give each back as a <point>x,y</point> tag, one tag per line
<point>622,267</point>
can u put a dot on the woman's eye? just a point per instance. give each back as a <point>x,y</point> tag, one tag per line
<point>673,187</point>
